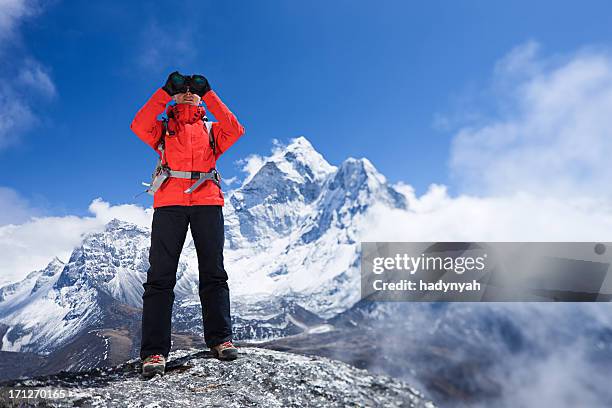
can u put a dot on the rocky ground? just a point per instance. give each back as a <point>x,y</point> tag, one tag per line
<point>258,378</point>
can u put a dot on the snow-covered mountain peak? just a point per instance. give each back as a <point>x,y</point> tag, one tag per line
<point>277,197</point>
<point>297,161</point>
<point>122,228</point>
<point>104,259</point>
<point>33,281</point>
<point>114,223</point>
<point>301,154</point>
<point>349,192</point>
<point>360,181</point>
<point>357,170</point>
<point>55,262</point>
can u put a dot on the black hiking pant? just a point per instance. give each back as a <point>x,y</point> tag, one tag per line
<point>168,233</point>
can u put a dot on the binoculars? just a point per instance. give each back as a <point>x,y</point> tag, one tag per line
<point>184,82</point>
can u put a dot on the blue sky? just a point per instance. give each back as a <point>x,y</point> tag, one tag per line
<point>356,78</point>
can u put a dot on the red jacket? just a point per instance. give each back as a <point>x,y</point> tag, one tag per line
<point>188,149</point>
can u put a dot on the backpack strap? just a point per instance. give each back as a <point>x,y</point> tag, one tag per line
<point>211,137</point>
<point>162,141</point>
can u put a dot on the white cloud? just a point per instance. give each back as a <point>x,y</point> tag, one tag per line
<point>31,245</point>
<point>16,98</point>
<point>104,212</point>
<point>251,165</point>
<point>173,45</point>
<point>15,208</point>
<point>562,376</point>
<point>520,61</point>
<point>230,181</point>
<point>34,76</point>
<point>552,136</point>
<point>16,115</point>
<point>537,171</point>
<point>436,216</point>
<point>12,12</point>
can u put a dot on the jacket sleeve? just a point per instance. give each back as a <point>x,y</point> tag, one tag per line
<point>145,123</point>
<point>227,130</point>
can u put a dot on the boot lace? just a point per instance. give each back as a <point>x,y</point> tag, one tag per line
<point>155,359</point>
<point>226,344</point>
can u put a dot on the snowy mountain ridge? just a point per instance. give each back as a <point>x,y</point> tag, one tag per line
<point>291,255</point>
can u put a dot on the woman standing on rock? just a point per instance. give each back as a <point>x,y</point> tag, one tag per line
<point>187,192</point>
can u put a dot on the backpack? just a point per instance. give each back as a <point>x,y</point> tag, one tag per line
<point>162,172</point>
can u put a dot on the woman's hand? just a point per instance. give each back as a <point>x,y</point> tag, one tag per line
<point>175,84</point>
<point>199,85</point>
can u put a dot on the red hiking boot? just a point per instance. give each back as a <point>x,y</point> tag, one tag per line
<point>154,364</point>
<point>225,351</point>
